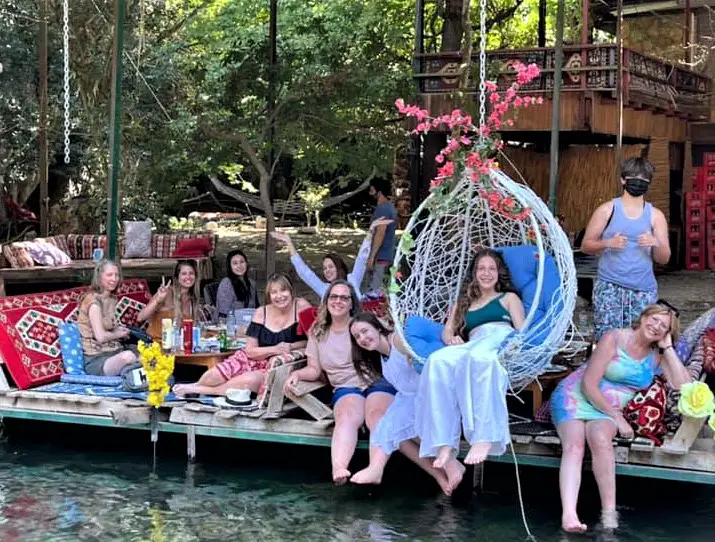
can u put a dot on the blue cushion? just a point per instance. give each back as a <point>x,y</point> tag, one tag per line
<point>425,336</point>
<point>92,380</point>
<point>71,348</point>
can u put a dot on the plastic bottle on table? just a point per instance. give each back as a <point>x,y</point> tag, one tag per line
<point>230,326</point>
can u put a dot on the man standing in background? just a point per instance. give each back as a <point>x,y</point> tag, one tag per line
<point>382,250</point>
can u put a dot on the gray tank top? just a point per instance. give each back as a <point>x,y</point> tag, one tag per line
<point>631,267</point>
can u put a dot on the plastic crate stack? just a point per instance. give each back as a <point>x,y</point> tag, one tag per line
<point>700,217</point>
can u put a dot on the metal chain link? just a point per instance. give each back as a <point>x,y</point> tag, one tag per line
<point>482,65</point>
<point>66,56</point>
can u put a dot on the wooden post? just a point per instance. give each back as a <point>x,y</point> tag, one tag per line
<point>687,33</point>
<point>556,108</point>
<point>42,122</point>
<point>619,88</point>
<point>478,478</point>
<point>115,131</point>
<point>191,443</point>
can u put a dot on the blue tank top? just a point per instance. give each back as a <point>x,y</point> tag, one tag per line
<point>493,311</point>
<point>631,267</point>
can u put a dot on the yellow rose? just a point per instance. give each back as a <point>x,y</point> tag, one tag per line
<point>696,400</point>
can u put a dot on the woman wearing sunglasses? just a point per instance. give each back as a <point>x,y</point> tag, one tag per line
<point>627,234</point>
<point>587,405</point>
<point>356,400</point>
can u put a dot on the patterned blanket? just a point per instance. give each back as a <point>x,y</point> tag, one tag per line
<point>29,336</point>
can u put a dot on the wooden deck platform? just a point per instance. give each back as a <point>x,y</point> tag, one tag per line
<point>639,458</point>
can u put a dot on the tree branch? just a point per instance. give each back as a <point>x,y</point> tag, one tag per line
<point>503,15</point>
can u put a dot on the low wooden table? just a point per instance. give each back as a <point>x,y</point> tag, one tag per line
<point>202,359</point>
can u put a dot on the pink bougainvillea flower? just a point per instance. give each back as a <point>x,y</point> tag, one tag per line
<point>446,170</point>
<point>539,100</point>
<point>439,158</point>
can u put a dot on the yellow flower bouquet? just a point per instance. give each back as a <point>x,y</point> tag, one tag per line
<point>158,367</point>
<point>696,400</point>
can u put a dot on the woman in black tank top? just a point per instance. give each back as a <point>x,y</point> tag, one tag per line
<point>273,331</point>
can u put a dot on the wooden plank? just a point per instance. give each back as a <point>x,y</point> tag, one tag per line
<point>132,415</point>
<point>685,436</point>
<point>303,387</point>
<point>277,395</point>
<point>282,425</point>
<point>313,406</point>
<point>23,400</point>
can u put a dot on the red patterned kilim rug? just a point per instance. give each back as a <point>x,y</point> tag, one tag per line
<point>29,337</point>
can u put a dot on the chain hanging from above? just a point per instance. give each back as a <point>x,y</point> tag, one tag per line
<point>482,65</point>
<point>66,58</point>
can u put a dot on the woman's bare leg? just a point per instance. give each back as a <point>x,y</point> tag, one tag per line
<point>573,442</point>
<point>447,483</point>
<point>599,435</point>
<point>114,365</point>
<point>215,384</point>
<point>349,414</point>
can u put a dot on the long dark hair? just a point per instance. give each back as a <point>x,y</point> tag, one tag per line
<point>470,288</point>
<point>340,266</point>
<point>367,363</point>
<point>193,292</point>
<point>324,320</point>
<point>241,284</point>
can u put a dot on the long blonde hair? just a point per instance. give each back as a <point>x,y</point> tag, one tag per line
<point>324,320</point>
<point>96,285</point>
<point>661,308</point>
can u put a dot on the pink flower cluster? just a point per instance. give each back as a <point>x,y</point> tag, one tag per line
<point>460,149</point>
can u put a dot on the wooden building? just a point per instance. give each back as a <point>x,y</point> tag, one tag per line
<point>663,96</point>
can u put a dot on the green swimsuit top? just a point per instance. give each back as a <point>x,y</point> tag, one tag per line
<point>493,311</point>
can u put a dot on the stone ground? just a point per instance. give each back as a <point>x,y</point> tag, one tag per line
<point>693,292</point>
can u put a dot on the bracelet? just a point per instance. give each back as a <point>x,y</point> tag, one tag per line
<point>662,350</point>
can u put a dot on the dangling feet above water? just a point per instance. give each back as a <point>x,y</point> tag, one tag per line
<point>477,453</point>
<point>455,472</point>
<point>340,476</point>
<point>369,475</point>
<point>444,455</point>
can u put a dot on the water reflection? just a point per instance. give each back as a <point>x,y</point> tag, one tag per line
<point>50,493</point>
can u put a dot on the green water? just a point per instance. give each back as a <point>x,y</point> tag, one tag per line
<point>72,484</point>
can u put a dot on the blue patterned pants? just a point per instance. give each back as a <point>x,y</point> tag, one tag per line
<point>616,307</point>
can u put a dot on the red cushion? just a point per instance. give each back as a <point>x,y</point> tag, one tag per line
<point>29,338</point>
<point>193,248</point>
<point>306,317</point>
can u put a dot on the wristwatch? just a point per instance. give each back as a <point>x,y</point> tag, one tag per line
<point>662,350</point>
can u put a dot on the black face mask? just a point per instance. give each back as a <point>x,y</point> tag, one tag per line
<point>636,186</point>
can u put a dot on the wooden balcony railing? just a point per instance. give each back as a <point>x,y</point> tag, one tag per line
<point>647,81</point>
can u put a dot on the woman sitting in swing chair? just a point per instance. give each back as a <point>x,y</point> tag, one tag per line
<point>464,380</point>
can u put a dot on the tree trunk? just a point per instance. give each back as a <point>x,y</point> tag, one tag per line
<point>452,29</point>
<point>264,187</point>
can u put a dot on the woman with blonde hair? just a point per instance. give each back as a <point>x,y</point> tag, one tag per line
<point>99,329</point>
<point>356,399</point>
<point>586,406</point>
<point>179,299</point>
<point>273,331</point>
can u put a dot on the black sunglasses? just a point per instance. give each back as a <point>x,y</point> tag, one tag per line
<point>671,307</point>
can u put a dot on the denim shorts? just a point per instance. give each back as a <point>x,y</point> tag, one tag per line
<point>380,385</point>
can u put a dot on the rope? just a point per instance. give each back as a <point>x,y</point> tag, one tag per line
<point>521,498</point>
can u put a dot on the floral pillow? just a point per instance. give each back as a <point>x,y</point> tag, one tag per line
<point>47,254</point>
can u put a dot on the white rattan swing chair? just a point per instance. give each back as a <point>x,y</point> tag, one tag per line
<point>441,239</point>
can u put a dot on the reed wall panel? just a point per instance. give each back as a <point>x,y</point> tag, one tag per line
<point>659,192</point>
<point>688,167</point>
<point>587,178</point>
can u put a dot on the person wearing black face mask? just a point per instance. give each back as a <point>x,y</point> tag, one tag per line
<point>627,234</point>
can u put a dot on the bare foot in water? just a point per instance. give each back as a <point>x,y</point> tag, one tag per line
<point>455,472</point>
<point>609,520</point>
<point>370,475</point>
<point>445,454</point>
<point>477,453</point>
<point>340,476</point>
<point>571,524</point>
